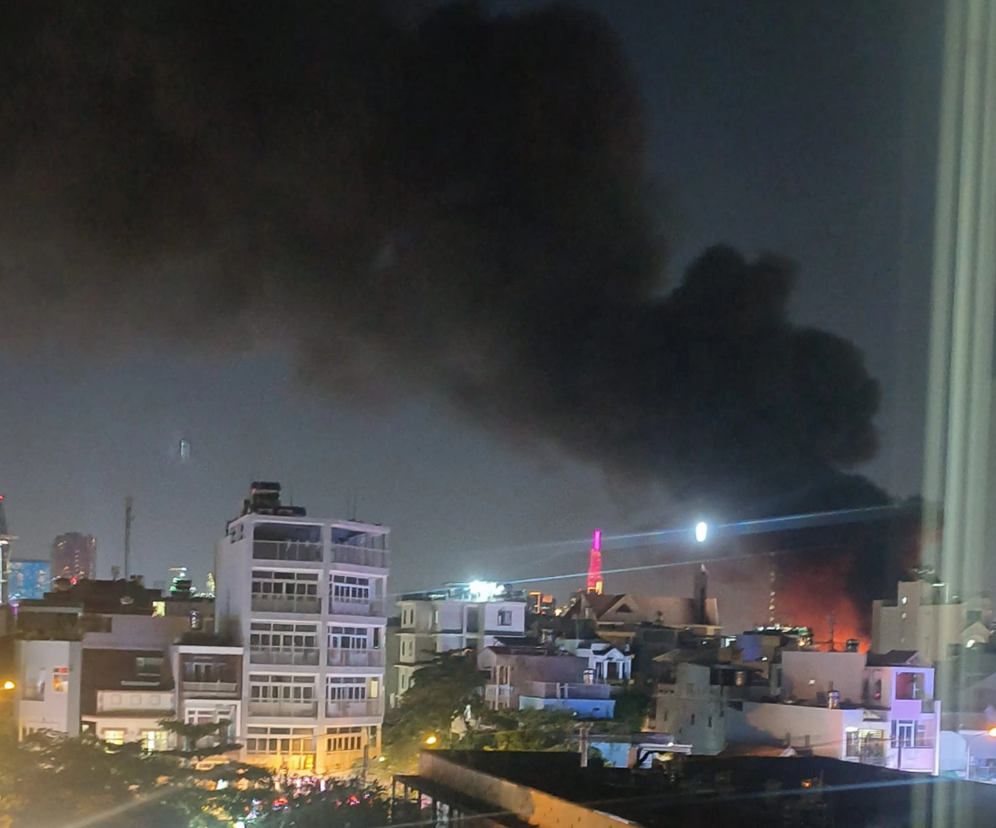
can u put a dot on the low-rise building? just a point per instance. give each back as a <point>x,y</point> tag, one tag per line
<point>875,709</point>
<point>455,617</point>
<point>536,678</point>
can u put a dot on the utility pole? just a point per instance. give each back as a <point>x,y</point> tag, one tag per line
<point>583,738</point>
<point>127,544</point>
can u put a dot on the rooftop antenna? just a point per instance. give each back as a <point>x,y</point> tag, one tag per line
<point>129,501</point>
<point>353,508</point>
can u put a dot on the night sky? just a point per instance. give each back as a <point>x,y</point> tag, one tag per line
<point>806,129</point>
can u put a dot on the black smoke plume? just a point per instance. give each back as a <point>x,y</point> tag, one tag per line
<point>456,203</point>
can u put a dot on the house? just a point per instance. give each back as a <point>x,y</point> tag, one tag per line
<point>692,709</point>
<point>857,707</point>
<point>608,663</point>
<point>455,617</point>
<point>536,678</point>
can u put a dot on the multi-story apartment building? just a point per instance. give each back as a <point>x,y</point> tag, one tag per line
<point>305,598</point>
<point>456,617</point>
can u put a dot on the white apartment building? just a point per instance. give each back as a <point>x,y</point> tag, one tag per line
<point>48,686</point>
<point>305,598</point>
<point>456,617</point>
<point>923,619</point>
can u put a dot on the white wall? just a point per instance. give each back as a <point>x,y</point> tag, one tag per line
<point>58,712</point>
<point>820,729</point>
<point>806,674</point>
<point>517,609</point>
<point>138,632</point>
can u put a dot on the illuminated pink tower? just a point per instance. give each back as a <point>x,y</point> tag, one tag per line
<point>595,564</point>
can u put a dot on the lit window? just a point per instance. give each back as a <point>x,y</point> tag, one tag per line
<point>374,688</point>
<point>504,618</point>
<point>60,679</point>
<point>114,737</point>
<point>904,600</point>
<point>154,740</point>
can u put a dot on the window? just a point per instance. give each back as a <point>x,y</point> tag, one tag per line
<point>206,671</point>
<point>60,679</point>
<point>902,733</point>
<point>344,739</point>
<point>285,637</point>
<point>350,588</point>
<point>346,688</point>
<point>349,638</point>
<point>153,740</point>
<point>114,737</point>
<point>374,688</point>
<point>282,588</point>
<point>692,719</point>
<point>504,618</point>
<point>275,741</point>
<point>148,668</point>
<point>852,742</point>
<point>710,721</point>
<point>267,689</point>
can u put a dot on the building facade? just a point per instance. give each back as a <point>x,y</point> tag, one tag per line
<point>305,598</point>
<point>456,617</point>
<point>534,678</point>
<point>74,556</point>
<point>29,580</point>
<point>923,619</point>
<point>874,709</point>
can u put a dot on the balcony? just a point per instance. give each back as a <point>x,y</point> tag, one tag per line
<point>498,695</point>
<point>342,553</point>
<point>343,708</point>
<point>284,709</point>
<point>287,551</point>
<point>355,658</point>
<point>284,655</point>
<point>287,604</point>
<point>210,689</point>
<point>368,607</point>
<point>566,690</point>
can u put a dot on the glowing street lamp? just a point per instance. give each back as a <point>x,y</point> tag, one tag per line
<point>431,740</point>
<point>701,531</point>
<point>8,685</point>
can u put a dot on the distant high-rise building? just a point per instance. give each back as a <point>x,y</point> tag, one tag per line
<point>595,564</point>
<point>5,540</point>
<point>74,556</point>
<point>29,580</point>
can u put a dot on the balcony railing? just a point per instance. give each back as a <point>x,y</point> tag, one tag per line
<point>358,606</point>
<point>286,551</point>
<point>283,655</point>
<point>566,690</point>
<point>206,689</point>
<point>338,657</point>
<point>342,708</point>
<point>286,603</point>
<point>280,707</point>
<point>342,553</point>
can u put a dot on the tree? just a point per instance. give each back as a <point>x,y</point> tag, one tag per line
<point>632,708</point>
<point>445,690</point>
<point>522,730</point>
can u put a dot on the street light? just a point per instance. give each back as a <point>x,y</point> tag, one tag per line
<point>9,685</point>
<point>701,531</point>
<point>991,733</point>
<point>431,740</point>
